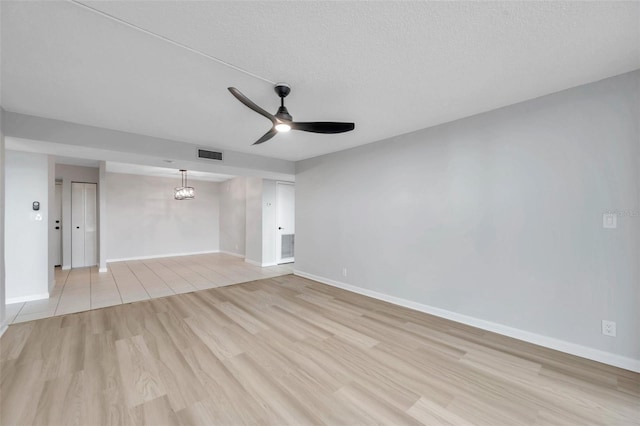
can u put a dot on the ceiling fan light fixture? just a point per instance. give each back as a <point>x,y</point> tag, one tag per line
<point>283,121</point>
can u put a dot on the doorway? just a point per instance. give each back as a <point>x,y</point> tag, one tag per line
<point>57,226</point>
<point>285,216</point>
<point>83,224</point>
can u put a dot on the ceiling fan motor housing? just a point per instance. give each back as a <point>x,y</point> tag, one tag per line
<point>282,89</point>
<point>283,114</point>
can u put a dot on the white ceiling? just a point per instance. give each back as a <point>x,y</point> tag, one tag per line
<point>391,67</point>
<point>137,169</point>
<point>73,161</point>
<point>144,170</point>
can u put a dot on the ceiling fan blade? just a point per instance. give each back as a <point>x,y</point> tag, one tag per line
<point>249,103</point>
<point>323,127</point>
<point>271,133</point>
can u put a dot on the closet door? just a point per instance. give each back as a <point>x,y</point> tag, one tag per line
<point>285,213</point>
<point>83,224</point>
<point>90,224</point>
<point>57,227</point>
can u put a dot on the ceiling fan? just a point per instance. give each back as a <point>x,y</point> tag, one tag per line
<point>283,121</point>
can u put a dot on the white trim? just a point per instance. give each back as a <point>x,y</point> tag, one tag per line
<point>252,262</point>
<point>3,328</point>
<point>527,336</point>
<point>262,265</point>
<point>66,267</point>
<point>230,253</point>
<point>103,270</point>
<point>31,298</point>
<point>158,256</point>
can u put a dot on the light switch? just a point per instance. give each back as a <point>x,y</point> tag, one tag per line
<point>610,220</point>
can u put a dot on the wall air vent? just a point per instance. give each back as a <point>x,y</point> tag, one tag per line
<point>209,155</point>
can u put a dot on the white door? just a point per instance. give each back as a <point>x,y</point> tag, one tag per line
<point>285,212</point>
<point>83,224</point>
<point>57,226</point>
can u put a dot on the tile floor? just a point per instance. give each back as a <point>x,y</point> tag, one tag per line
<point>84,289</point>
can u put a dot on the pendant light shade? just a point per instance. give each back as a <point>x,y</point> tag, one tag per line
<point>184,192</point>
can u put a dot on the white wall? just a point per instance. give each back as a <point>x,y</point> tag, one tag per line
<point>253,227</point>
<point>494,219</point>
<point>26,239</point>
<point>233,204</point>
<point>146,221</point>
<point>248,219</point>
<point>269,222</point>
<point>68,174</point>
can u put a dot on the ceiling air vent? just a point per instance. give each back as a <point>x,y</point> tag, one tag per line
<point>209,155</point>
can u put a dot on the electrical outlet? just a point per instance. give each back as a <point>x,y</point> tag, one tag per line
<point>609,328</point>
<point>344,272</point>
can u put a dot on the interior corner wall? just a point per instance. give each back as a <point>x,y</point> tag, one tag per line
<point>102,217</point>
<point>2,209</point>
<point>68,173</point>
<point>51,206</point>
<point>233,204</point>
<point>496,219</point>
<point>269,222</point>
<point>253,227</point>
<point>145,220</point>
<point>26,230</point>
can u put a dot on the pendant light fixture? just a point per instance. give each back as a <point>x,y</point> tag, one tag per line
<point>184,192</point>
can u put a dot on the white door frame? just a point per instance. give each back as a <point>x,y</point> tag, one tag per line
<point>81,255</point>
<point>57,223</point>
<point>280,227</point>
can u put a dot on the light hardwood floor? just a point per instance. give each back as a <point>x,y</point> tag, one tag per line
<point>82,289</point>
<point>290,351</point>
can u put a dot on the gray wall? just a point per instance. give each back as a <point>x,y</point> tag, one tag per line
<point>145,220</point>
<point>497,217</point>
<point>51,212</point>
<point>90,142</point>
<point>26,239</point>
<point>232,215</point>
<point>2,271</point>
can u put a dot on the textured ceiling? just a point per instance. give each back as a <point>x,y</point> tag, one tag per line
<point>135,169</point>
<point>391,67</point>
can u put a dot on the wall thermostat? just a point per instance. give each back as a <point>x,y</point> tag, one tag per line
<point>36,205</point>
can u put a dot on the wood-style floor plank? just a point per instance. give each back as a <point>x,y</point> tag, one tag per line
<point>288,351</point>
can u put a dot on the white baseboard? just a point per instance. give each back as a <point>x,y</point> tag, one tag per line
<point>31,298</point>
<point>230,253</point>
<point>527,336</point>
<point>262,265</point>
<point>159,256</point>
<point>66,267</point>
<point>3,328</point>
<point>252,262</point>
<point>103,270</point>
